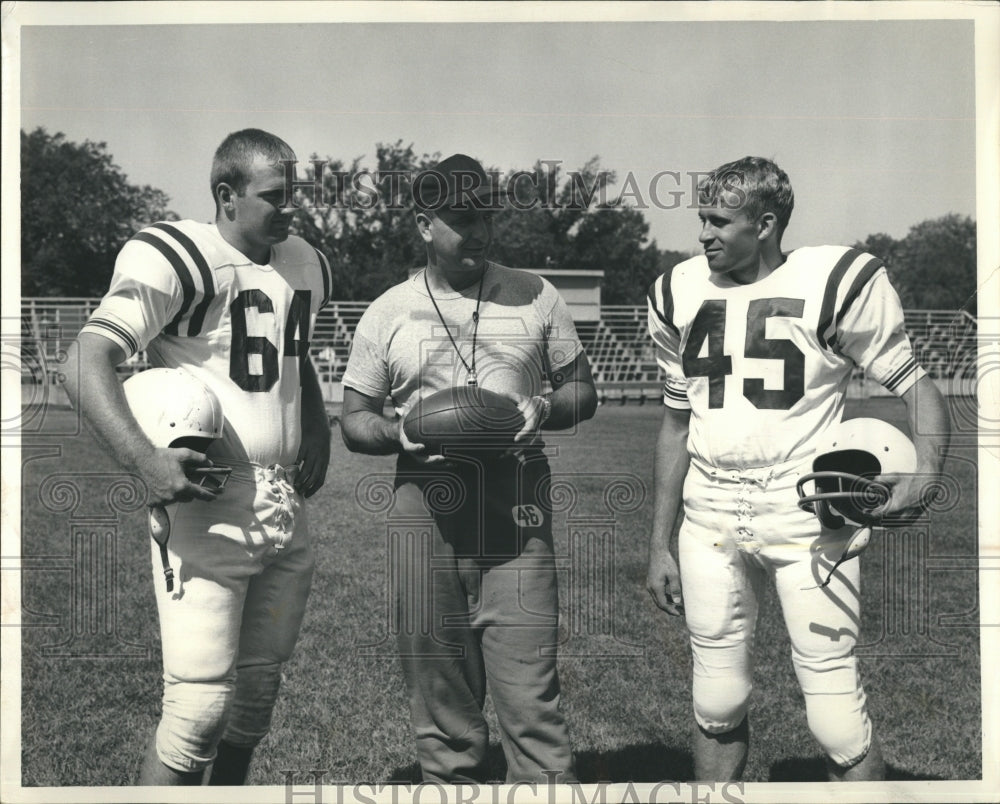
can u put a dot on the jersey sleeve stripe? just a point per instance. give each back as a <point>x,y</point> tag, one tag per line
<point>183,275</point>
<point>198,316</point>
<point>661,301</point>
<point>674,394</point>
<point>864,276</point>
<point>117,333</point>
<point>830,293</point>
<point>900,374</point>
<point>327,273</point>
<point>675,398</point>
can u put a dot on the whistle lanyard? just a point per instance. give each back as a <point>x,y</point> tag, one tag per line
<point>473,378</point>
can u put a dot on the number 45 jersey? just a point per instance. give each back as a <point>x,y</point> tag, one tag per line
<point>764,367</point>
<point>192,300</point>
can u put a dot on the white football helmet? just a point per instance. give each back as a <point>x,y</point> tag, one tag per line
<point>174,409</point>
<point>848,456</point>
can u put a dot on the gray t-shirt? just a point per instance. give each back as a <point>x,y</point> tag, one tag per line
<point>401,350</point>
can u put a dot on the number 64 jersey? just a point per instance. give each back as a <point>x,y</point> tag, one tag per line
<point>764,367</point>
<point>194,301</point>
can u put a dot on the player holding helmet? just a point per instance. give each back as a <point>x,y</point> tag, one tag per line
<point>758,349</point>
<point>849,458</point>
<point>232,304</point>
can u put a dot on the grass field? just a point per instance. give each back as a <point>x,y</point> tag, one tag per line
<point>85,720</point>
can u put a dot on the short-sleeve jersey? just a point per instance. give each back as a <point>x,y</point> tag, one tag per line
<point>764,367</point>
<point>193,301</point>
<point>402,350</point>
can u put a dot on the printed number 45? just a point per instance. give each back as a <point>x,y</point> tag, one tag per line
<point>710,325</point>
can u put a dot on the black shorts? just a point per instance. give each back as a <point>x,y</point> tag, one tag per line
<point>484,507</point>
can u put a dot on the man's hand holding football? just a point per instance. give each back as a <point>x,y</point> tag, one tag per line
<point>535,410</point>
<point>417,452</point>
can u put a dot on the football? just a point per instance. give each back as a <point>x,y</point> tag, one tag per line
<point>466,418</point>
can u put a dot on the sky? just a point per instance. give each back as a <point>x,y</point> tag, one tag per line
<point>874,121</point>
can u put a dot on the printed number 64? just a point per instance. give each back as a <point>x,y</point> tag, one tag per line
<point>244,345</point>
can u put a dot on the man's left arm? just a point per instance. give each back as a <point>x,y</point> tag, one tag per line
<point>872,331</point>
<point>930,429</point>
<point>314,451</point>
<point>573,400</point>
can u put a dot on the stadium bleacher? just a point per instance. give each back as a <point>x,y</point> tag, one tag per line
<point>331,340</point>
<point>620,351</point>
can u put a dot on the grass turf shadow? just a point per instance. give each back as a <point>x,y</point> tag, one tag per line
<point>813,769</point>
<point>655,762</point>
<point>496,769</point>
<point>650,762</point>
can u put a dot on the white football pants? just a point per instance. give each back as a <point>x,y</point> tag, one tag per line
<point>741,527</point>
<point>243,566</point>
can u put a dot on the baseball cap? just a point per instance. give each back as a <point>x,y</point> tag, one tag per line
<point>457,182</point>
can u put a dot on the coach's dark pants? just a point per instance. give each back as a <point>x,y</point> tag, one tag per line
<point>476,604</point>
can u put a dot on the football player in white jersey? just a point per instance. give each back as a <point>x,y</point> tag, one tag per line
<point>758,347</point>
<point>232,303</point>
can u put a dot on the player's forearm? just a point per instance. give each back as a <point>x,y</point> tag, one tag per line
<point>666,505</point>
<point>670,466</point>
<point>313,405</point>
<point>370,433</point>
<point>930,424</point>
<point>95,391</point>
<point>572,403</point>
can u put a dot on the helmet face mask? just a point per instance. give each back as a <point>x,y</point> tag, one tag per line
<point>848,458</point>
<point>842,498</point>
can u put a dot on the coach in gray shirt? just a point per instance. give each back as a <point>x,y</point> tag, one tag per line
<point>475,593</point>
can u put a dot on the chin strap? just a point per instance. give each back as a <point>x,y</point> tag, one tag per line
<point>858,542</point>
<point>211,477</point>
<point>159,530</point>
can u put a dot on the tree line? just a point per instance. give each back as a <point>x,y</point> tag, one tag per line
<point>78,209</point>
